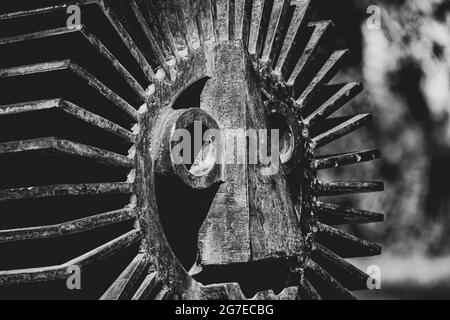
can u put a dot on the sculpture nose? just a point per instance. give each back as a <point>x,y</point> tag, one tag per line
<point>252,216</point>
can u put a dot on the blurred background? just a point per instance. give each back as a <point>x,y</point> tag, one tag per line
<point>404,63</point>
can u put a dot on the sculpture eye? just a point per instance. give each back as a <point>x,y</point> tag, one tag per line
<point>97,110</point>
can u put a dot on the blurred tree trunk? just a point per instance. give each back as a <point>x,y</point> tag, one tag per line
<point>416,36</point>
<point>405,66</point>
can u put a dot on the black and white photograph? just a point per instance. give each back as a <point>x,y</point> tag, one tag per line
<point>224,156</point>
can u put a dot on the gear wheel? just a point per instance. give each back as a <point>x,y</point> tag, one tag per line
<point>87,115</point>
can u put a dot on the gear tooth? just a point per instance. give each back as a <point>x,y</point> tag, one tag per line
<point>276,29</point>
<point>171,19</point>
<point>308,292</point>
<point>126,285</point>
<point>348,275</point>
<point>329,287</point>
<point>261,13</point>
<point>206,24</point>
<point>344,127</point>
<point>331,99</point>
<point>147,288</point>
<point>163,294</point>
<point>161,55</point>
<point>332,214</point>
<point>189,25</point>
<point>310,55</point>
<point>117,13</point>
<point>64,271</point>
<point>296,29</point>
<point>344,244</point>
<point>327,189</point>
<point>225,19</point>
<point>243,18</point>
<point>335,161</point>
<point>306,92</point>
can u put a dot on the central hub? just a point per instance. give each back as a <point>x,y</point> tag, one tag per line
<point>252,217</point>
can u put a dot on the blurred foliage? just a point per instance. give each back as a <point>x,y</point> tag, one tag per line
<point>405,67</point>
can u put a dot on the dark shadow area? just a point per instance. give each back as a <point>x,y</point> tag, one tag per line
<point>182,211</point>
<point>253,277</point>
<point>190,98</point>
